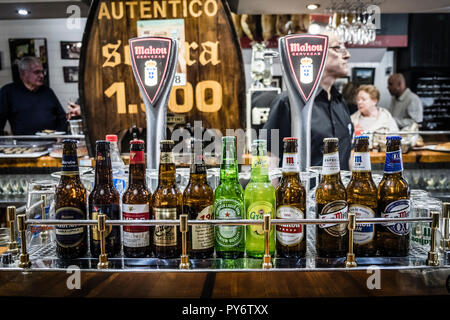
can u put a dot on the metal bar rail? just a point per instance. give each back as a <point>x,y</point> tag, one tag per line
<point>183,222</point>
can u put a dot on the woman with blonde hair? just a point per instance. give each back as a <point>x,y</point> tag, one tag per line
<point>370,117</point>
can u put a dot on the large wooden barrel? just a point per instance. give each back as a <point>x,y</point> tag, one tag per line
<point>215,83</point>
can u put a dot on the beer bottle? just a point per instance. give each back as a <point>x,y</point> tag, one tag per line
<point>167,204</point>
<point>70,204</point>
<point>136,203</point>
<point>331,239</point>
<point>393,202</point>
<point>259,199</point>
<point>229,204</point>
<point>362,198</point>
<point>198,200</point>
<point>291,204</point>
<point>105,199</point>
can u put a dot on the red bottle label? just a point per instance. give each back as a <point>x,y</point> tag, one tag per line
<point>137,157</point>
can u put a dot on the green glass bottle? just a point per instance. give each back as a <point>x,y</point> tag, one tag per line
<point>229,204</point>
<point>260,199</point>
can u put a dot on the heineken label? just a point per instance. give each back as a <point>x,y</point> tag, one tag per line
<point>334,210</point>
<point>397,209</point>
<point>165,236</point>
<point>291,162</point>
<point>228,236</point>
<point>361,162</point>
<point>364,232</point>
<point>203,236</point>
<point>256,211</point>
<point>394,162</point>
<point>289,234</point>
<point>136,236</point>
<point>68,236</point>
<point>330,164</point>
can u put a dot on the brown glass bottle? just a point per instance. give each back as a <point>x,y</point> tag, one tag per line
<point>291,204</point>
<point>393,202</point>
<point>362,198</point>
<point>136,204</point>
<point>70,204</point>
<point>198,201</point>
<point>167,204</point>
<point>331,239</point>
<point>105,199</point>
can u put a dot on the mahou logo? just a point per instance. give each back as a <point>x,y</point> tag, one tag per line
<point>150,58</point>
<point>306,48</point>
<point>141,50</point>
<point>306,56</point>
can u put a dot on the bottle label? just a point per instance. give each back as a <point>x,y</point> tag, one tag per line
<point>256,211</point>
<point>397,209</point>
<point>136,236</point>
<point>259,162</point>
<point>137,157</point>
<point>330,164</point>
<point>69,236</point>
<point>166,157</point>
<point>203,236</point>
<point>394,162</point>
<point>364,232</point>
<point>112,212</point>
<point>69,164</point>
<point>165,236</point>
<point>291,162</point>
<point>119,184</point>
<point>334,210</point>
<point>361,162</point>
<point>228,236</point>
<point>289,234</point>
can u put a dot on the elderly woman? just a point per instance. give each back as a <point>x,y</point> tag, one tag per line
<point>370,117</point>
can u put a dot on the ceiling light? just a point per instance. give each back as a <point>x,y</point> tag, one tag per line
<point>23,12</point>
<point>313,6</point>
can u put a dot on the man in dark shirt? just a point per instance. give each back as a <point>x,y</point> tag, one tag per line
<point>330,116</point>
<point>30,106</point>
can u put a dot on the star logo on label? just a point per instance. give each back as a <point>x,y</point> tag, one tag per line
<point>227,214</point>
<point>130,208</point>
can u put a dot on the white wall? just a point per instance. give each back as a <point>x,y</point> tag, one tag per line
<point>54,30</point>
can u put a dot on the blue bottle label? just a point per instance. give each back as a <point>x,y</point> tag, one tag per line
<point>68,236</point>
<point>394,162</point>
<point>397,209</point>
<point>70,164</point>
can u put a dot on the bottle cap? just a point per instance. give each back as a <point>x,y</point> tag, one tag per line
<point>362,137</point>
<point>137,142</point>
<point>325,140</point>
<point>290,139</point>
<point>111,138</point>
<point>393,138</point>
<point>167,142</point>
<point>70,141</point>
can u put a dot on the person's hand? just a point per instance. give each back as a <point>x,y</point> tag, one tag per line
<point>74,110</point>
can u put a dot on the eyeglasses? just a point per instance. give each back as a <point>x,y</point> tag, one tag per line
<point>38,72</point>
<point>339,49</point>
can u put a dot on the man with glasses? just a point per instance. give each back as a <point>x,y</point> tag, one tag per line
<point>330,116</point>
<point>30,106</point>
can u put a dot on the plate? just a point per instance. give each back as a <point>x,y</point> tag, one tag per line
<point>56,133</point>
